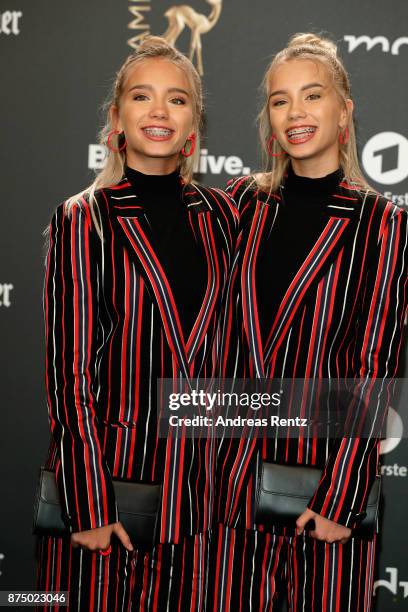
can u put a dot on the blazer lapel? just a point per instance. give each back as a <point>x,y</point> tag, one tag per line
<point>341,213</point>
<point>131,225</point>
<point>205,231</point>
<point>262,221</point>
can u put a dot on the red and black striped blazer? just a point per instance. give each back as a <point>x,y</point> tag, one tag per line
<point>112,328</point>
<point>341,318</point>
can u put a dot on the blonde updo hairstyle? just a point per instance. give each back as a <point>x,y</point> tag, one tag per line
<point>317,49</point>
<point>152,47</point>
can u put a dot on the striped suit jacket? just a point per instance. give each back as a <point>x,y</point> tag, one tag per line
<point>113,327</point>
<point>341,317</point>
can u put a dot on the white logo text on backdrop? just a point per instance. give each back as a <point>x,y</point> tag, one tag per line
<point>138,10</point>
<point>372,41</point>
<point>9,22</point>
<point>5,290</point>
<point>208,164</point>
<point>392,584</point>
<point>394,434</point>
<point>401,199</point>
<point>394,431</point>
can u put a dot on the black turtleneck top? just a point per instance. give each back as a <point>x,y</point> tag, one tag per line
<point>173,240</point>
<point>299,223</point>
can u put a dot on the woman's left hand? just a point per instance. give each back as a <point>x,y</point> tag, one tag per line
<point>325,530</point>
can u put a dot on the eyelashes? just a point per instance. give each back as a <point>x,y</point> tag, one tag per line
<point>144,97</point>
<point>312,97</point>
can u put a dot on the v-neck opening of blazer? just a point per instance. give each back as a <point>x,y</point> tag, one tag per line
<point>136,235</point>
<point>324,249</point>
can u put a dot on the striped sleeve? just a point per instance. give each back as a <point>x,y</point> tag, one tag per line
<point>71,315</point>
<point>352,464</point>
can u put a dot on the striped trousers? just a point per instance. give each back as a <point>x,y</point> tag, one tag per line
<point>173,577</point>
<point>250,569</point>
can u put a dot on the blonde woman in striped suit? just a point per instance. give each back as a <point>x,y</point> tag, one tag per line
<point>136,269</point>
<point>320,293</point>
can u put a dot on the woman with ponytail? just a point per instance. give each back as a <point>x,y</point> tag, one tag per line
<point>136,269</point>
<point>320,293</point>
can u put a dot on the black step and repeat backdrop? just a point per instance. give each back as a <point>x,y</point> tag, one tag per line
<point>57,61</point>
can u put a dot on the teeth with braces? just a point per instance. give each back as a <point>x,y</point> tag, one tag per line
<point>296,131</point>
<point>157,131</point>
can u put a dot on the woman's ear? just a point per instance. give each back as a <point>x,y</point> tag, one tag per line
<point>346,113</point>
<point>114,118</point>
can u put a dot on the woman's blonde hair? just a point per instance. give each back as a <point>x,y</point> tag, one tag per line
<point>152,47</point>
<point>318,49</point>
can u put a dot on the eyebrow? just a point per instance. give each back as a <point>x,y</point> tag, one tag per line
<point>308,86</point>
<point>150,88</point>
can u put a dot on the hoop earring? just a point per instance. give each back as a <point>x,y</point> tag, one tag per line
<point>110,146</point>
<point>269,147</point>
<point>344,138</point>
<point>192,140</point>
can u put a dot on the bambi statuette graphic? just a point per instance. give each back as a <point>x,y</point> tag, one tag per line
<point>183,15</point>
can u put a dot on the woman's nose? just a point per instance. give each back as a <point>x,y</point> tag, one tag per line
<point>158,110</point>
<point>296,110</point>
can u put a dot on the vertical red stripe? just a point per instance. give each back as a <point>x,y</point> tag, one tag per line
<point>157,578</point>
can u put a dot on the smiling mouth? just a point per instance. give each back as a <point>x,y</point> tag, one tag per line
<point>159,133</point>
<point>299,135</point>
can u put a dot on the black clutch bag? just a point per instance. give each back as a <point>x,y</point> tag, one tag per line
<point>284,490</point>
<point>137,503</point>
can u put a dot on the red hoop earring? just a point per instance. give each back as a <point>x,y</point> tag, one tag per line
<point>192,140</point>
<point>110,146</point>
<point>269,147</point>
<point>344,138</point>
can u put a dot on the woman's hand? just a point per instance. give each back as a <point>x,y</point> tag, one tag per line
<point>99,538</point>
<point>325,530</point>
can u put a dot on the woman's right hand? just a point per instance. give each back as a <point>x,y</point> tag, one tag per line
<point>100,537</point>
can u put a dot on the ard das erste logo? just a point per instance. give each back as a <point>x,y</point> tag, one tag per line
<point>385,158</point>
